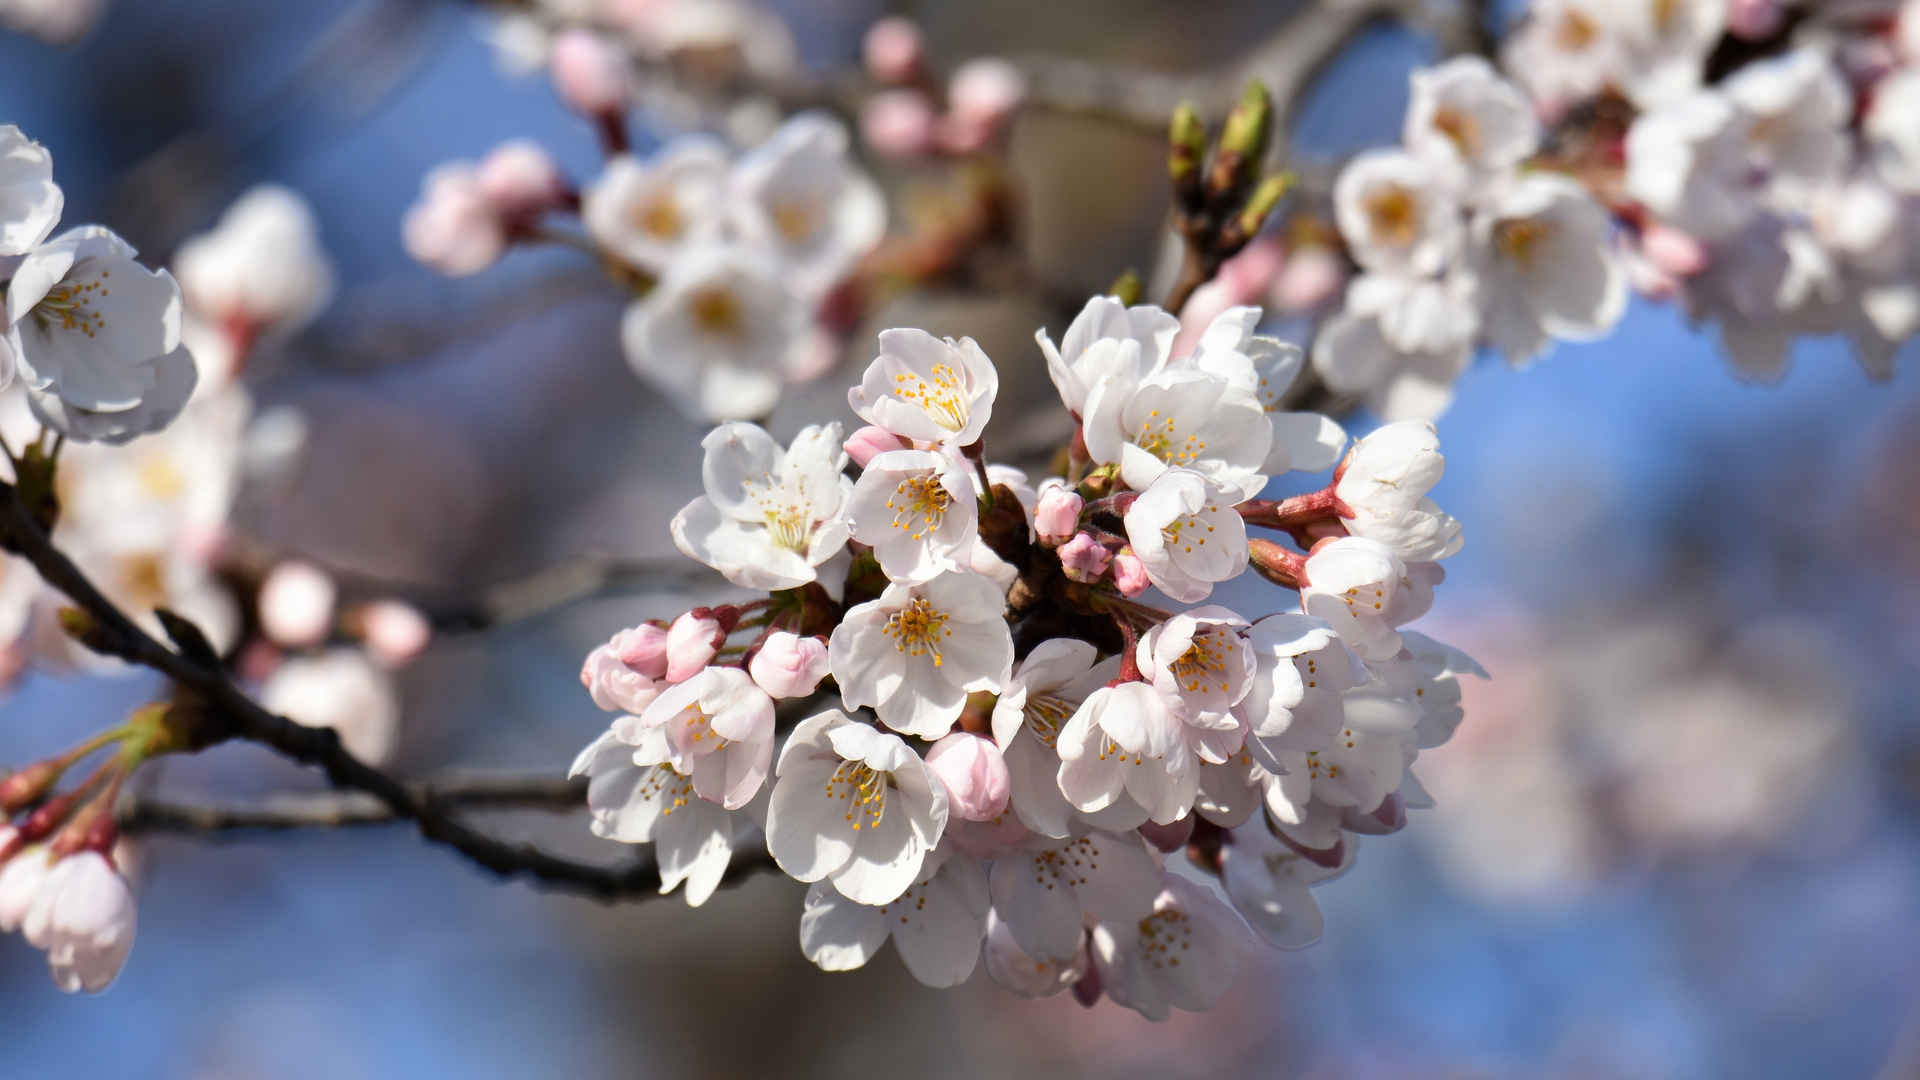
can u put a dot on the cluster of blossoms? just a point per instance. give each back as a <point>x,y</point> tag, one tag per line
<point>732,259</point>
<point>58,22</point>
<point>1021,740</point>
<point>1461,244</point>
<point>1775,199</point>
<point>724,39</point>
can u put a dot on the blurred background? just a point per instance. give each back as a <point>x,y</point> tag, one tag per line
<point>1677,835</point>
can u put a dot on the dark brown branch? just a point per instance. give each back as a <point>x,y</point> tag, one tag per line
<point>231,714</point>
<point>347,809</point>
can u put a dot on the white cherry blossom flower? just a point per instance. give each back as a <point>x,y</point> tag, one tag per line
<point>1397,213</point>
<point>693,839</point>
<point>853,806</point>
<point>927,389</point>
<point>453,228</point>
<point>1417,314</point>
<point>1028,976</point>
<point>1665,43</point>
<point>936,925</point>
<point>1269,884</point>
<point>716,332</point>
<point>915,653</point>
<point>1687,162</point>
<point>96,337</point>
<point>1186,533</point>
<point>719,733</point>
<point>83,915</point>
<point>1465,114</point>
<point>1303,441</point>
<point>1301,669</point>
<point>1418,691</point>
<point>1385,482</point>
<point>801,196</point>
<point>1183,417</point>
<point>1566,51</point>
<point>340,689</point>
<point>1184,955</point>
<point>918,511</point>
<point>1546,265</point>
<point>1797,109</point>
<point>30,202</point>
<point>1125,748</point>
<point>1046,892</point>
<point>1356,770</point>
<point>1198,660</point>
<point>1366,591</point>
<point>649,212</point>
<point>21,877</point>
<point>770,517</point>
<point>614,685</point>
<point>1353,355</point>
<point>1107,340</point>
<point>261,267</point>
<point>1045,691</point>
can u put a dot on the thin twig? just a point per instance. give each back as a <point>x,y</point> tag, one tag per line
<point>345,809</point>
<point>237,716</point>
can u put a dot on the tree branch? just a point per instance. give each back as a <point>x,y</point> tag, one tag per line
<point>235,715</point>
<point>349,809</point>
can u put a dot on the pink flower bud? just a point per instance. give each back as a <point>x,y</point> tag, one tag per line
<point>296,604</point>
<point>1169,837</point>
<point>396,633</point>
<point>974,773</point>
<point>1086,560</point>
<point>1248,274</point>
<point>1673,251</point>
<point>453,228</point>
<point>613,685</point>
<point>1207,301</point>
<point>519,179</point>
<point>1755,20</point>
<point>1129,573</point>
<point>589,73</point>
<point>643,648</point>
<point>893,49</point>
<point>898,123</point>
<point>985,91</point>
<point>1057,513</point>
<point>693,640</point>
<point>868,441</point>
<point>1312,276</point>
<point>789,665</point>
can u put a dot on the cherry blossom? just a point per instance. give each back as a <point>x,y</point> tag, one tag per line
<point>915,653</point>
<point>1044,693</point>
<point>719,733</point>
<point>1384,485</point>
<point>927,389</point>
<point>1045,892</point>
<point>727,307</point>
<point>1186,534</point>
<point>636,803</point>
<point>800,196</point>
<point>30,202</point>
<point>918,511</point>
<point>650,212</point>
<point>1184,955</point>
<point>770,517</point>
<point>936,925</point>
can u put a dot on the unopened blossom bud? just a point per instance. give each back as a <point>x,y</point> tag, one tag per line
<point>981,98</point>
<point>893,49</point>
<point>1673,251</point>
<point>20,880</point>
<point>396,633</point>
<point>27,786</point>
<point>1129,573</point>
<point>643,648</point>
<point>1312,276</point>
<point>898,123</point>
<point>339,689</point>
<point>296,604</point>
<point>1086,560</point>
<point>83,916</point>
<point>521,180</point>
<point>1057,513</point>
<point>868,442</point>
<point>789,665</point>
<point>453,228</point>
<point>974,774</point>
<point>589,73</point>
<point>1755,20</point>
<point>692,641</point>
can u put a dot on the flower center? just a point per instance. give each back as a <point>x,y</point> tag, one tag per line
<point>796,219</point>
<point>161,478</point>
<point>1186,532</point>
<point>1354,598</point>
<point>1046,715</point>
<point>918,628</point>
<point>1160,436</point>
<point>1459,127</point>
<point>863,790</point>
<point>660,217</point>
<point>1164,935</point>
<point>717,311</point>
<point>673,789</point>
<point>1393,211</point>
<point>919,503</point>
<point>1520,240</point>
<point>69,305</point>
<point>1575,31</point>
<point>145,579</point>
<point>942,397</point>
<point>1204,660</point>
<point>699,728</point>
